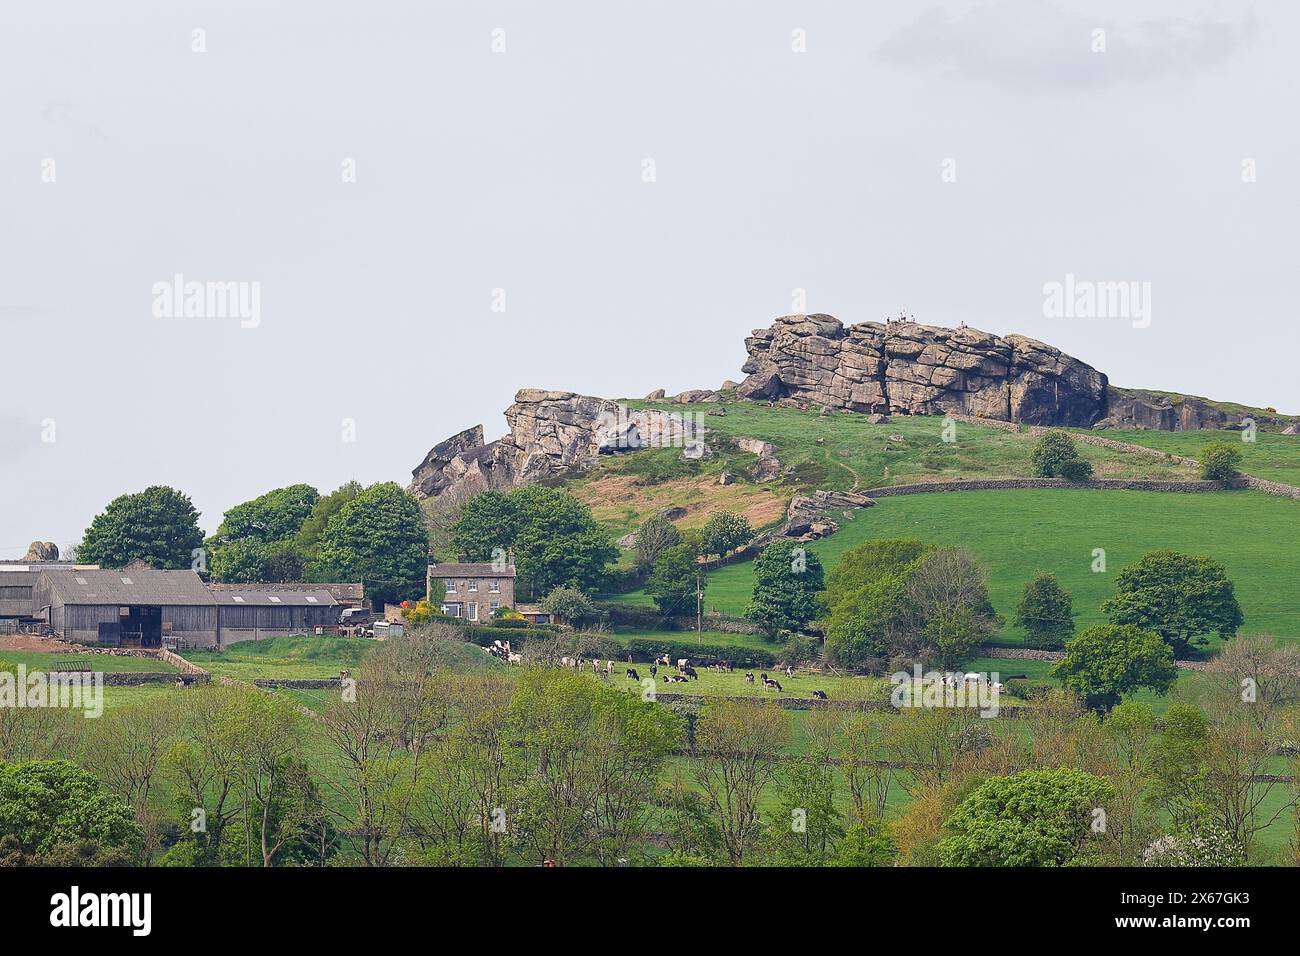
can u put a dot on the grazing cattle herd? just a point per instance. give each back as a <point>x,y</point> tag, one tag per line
<point>682,674</point>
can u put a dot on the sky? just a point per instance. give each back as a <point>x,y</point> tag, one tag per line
<point>439,203</point>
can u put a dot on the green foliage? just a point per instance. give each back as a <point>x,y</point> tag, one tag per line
<point>569,604</point>
<point>1032,818</point>
<point>903,601</point>
<point>808,826</point>
<point>1219,461</point>
<point>378,538</point>
<point>672,582</point>
<point>46,805</point>
<point>1046,612</point>
<point>1107,662</point>
<point>1056,456</point>
<point>787,581</point>
<point>274,516</point>
<point>1179,596</point>
<point>313,527</point>
<point>647,648</point>
<point>555,539</point>
<point>724,532</point>
<point>244,560</point>
<point>158,526</point>
<point>655,535</point>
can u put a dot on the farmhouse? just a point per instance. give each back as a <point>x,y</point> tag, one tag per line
<point>132,608</point>
<point>250,613</point>
<point>474,591</point>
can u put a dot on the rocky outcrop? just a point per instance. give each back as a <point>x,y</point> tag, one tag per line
<point>550,432</point>
<point>42,551</point>
<point>921,370</point>
<point>1150,410</point>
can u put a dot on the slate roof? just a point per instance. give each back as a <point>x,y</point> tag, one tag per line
<point>469,571</point>
<point>128,587</point>
<point>340,592</point>
<point>248,597</point>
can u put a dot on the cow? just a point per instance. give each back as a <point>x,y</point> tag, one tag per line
<point>789,671</point>
<point>515,658</point>
<point>749,677</point>
<point>654,670</point>
<point>770,683</point>
<point>819,695</point>
<point>662,659</point>
<point>690,672</point>
<point>632,674</point>
<point>682,662</point>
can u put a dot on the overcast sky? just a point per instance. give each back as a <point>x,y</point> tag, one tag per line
<point>127,157</point>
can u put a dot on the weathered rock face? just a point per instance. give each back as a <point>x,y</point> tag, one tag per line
<point>920,370</point>
<point>42,551</point>
<point>550,432</point>
<point>1184,413</point>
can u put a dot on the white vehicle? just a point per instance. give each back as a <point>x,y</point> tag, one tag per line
<point>388,629</point>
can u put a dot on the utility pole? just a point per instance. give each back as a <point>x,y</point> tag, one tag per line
<point>699,600</point>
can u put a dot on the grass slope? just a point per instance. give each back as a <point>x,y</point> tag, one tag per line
<point>1272,456</point>
<point>1015,533</point>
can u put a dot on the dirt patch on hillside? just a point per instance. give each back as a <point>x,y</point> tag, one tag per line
<point>619,500</point>
<point>25,643</point>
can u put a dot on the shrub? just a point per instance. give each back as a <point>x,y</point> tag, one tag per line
<point>1046,612</point>
<point>1056,456</point>
<point>1219,461</point>
<point>650,648</point>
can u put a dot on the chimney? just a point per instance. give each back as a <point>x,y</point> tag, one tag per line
<point>510,557</point>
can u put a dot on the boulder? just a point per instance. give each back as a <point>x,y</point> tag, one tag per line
<point>656,395</point>
<point>1290,430</point>
<point>42,551</point>
<point>726,478</point>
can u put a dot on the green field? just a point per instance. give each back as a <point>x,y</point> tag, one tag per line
<point>297,656</point>
<point>1015,533</point>
<point>1272,456</point>
<point>106,663</point>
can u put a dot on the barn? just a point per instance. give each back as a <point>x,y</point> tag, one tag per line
<point>132,608</point>
<point>17,579</point>
<point>252,613</point>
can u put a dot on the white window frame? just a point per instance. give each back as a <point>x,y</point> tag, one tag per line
<point>473,612</point>
<point>450,584</point>
<point>472,586</point>
<point>494,586</point>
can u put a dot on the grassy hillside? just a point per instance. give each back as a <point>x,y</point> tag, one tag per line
<point>1273,456</point>
<point>839,451</point>
<point>1015,533</point>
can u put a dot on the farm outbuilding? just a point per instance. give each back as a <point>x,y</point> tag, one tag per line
<point>251,614</point>
<point>133,608</point>
<point>18,578</point>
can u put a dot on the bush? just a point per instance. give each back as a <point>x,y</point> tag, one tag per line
<point>1219,461</point>
<point>1057,456</point>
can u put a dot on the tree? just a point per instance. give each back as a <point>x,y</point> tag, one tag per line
<point>378,538</point>
<point>555,539</point>
<point>787,581</point>
<point>1031,818</point>
<point>126,753</point>
<point>589,758</point>
<point>1219,461</point>
<point>1045,611</point>
<point>673,581</point>
<point>1057,456</point>
<point>655,535</point>
<point>865,596</point>
<point>158,526</point>
<point>737,744</point>
<point>313,527</point>
<point>244,560</point>
<point>568,604</point>
<point>46,805</point>
<point>724,532</point>
<point>1107,662</point>
<point>1179,596</point>
<point>274,516</point>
